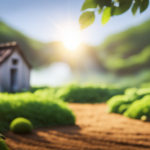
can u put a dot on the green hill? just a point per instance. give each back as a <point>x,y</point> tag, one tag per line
<point>124,53</point>
<point>127,52</point>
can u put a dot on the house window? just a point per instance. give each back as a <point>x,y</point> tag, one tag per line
<point>15,61</point>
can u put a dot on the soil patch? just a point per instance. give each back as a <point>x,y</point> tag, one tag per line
<point>95,129</point>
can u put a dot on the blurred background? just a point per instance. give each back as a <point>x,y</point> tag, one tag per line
<point>59,52</point>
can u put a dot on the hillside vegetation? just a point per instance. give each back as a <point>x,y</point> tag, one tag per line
<point>127,52</point>
<point>124,53</point>
<point>29,46</point>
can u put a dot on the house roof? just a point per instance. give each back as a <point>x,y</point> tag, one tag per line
<point>6,49</point>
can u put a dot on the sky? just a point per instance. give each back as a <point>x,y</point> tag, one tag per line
<point>39,19</point>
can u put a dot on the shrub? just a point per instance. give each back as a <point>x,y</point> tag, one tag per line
<point>88,93</point>
<point>144,118</point>
<point>21,125</point>
<point>145,85</point>
<point>143,91</point>
<point>139,108</point>
<point>131,94</point>
<point>123,108</point>
<point>120,103</point>
<point>115,102</point>
<point>35,88</point>
<point>3,145</point>
<point>77,93</point>
<point>40,109</point>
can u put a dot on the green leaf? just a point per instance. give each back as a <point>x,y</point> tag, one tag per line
<point>100,10</point>
<point>135,6</point>
<point>143,5</point>
<point>113,8</point>
<point>108,3</point>
<point>103,3</point>
<point>106,15</point>
<point>89,4</point>
<point>124,5</point>
<point>86,19</point>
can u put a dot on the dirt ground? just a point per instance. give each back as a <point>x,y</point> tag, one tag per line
<point>95,129</point>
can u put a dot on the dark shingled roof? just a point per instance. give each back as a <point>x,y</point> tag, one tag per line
<point>6,49</point>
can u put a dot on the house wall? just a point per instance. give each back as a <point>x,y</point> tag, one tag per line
<point>23,73</point>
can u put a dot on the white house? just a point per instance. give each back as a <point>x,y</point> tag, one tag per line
<point>14,68</point>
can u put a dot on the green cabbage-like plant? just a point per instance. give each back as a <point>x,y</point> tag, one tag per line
<point>115,102</point>
<point>21,125</point>
<point>139,108</point>
<point>123,108</point>
<point>3,145</point>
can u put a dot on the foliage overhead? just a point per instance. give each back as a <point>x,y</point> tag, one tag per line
<point>86,19</point>
<point>109,8</point>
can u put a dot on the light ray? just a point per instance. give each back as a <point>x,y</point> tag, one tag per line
<point>70,36</point>
<point>56,24</point>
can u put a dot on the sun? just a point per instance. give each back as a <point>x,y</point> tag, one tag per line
<point>71,40</point>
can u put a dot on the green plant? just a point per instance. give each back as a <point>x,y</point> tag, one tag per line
<point>121,103</point>
<point>3,145</point>
<point>139,108</point>
<point>131,94</point>
<point>88,93</point>
<point>145,85</point>
<point>21,125</point>
<point>35,88</point>
<point>115,102</point>
<point>143,91</point>
<point>41,109</point>
<point>122,108</point>
<point>144,118</point>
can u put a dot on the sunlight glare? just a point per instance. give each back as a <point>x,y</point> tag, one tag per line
<point>71,40</point>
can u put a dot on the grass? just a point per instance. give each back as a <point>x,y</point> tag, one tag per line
<point>41,110</point>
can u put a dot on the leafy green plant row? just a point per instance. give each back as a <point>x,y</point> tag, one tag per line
<point>88,93</point>
<point>135,103</point>
<point>41,110</point>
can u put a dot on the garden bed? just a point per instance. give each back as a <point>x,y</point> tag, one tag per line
<point>95,129</point>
